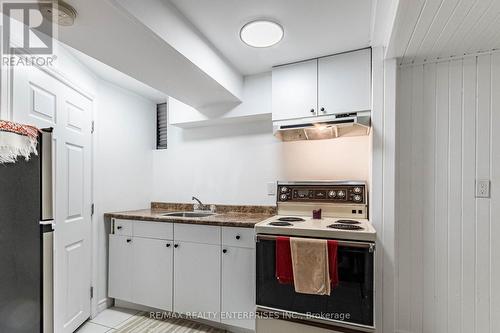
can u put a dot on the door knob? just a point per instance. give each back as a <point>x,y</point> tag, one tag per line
<point>224,251</point>
<point>176,245</point>
<point>323,109</point>
<point>238,237</point>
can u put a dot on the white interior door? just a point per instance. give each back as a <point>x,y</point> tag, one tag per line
<point>42,100</point>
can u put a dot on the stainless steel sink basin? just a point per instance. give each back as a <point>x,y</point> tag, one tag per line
<point>189,214</point>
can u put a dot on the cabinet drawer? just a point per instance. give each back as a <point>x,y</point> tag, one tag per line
<point>123,227</point>
<point>241,237</point>
<point>197,233</point>
<point>158,230</point>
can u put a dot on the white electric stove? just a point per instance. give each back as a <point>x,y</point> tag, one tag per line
<point>344,220</point>
<point>343,205</point>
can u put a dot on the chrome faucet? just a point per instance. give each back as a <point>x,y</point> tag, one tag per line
<point>200,206</point>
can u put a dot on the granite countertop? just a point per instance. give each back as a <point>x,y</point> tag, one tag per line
<point>225,215</point>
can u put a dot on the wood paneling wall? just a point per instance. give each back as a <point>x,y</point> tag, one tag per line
<point>447,240</point>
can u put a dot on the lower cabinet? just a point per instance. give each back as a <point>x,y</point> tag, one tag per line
<point>238,287</point>
<point>120,267</point>
<point>152,273</point>
<point>140,271</point>
<point>203,271</point>
<point>197,279</point>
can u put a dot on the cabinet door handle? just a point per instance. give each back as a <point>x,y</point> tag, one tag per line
<point>129,240</point>
<point>224,251</point>
<point>176,245</point>
<point>323,109</point>
<point>168,244</point>
<point>238,236</point>
<point>312,110</point>
<point>119,227</point>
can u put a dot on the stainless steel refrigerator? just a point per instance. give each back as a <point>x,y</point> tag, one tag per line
<point>26,242</point>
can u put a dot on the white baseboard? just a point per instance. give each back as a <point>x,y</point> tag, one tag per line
<point>103,304</point>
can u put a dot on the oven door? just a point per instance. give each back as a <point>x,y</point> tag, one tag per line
<point>349,304</point>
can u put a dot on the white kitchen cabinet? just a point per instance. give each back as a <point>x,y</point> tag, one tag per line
<point>152,272</point>
<point>344,82</point>
<point>187,271</point>
<point>340,83</point>
<point>123,227</point>
<point>197,274</point>
<point>294,90</point>
<point>120,267</point>
<point>239,237</point>
<point>238,286</point>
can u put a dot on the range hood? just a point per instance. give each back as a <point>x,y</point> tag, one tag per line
<point>324,127</point>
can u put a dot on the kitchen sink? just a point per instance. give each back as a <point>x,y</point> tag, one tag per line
<point>189,214</point>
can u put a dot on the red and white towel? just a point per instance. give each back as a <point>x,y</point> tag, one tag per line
<point>17,140</point>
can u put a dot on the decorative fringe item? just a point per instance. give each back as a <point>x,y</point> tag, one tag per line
<point>17,140</point>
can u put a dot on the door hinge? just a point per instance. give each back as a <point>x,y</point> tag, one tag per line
<point>92,208</point>
<point>92,127</point>
<point>91,292</point>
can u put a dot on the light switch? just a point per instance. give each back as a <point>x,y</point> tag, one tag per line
<point>271,188</point>
<point>482,188</point>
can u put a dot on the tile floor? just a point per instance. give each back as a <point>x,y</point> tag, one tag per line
<point>113,318</point>
<point>107,321</point>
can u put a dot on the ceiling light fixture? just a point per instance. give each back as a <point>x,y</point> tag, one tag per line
<point>261,33</point>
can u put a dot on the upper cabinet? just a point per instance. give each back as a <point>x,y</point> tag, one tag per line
<point>295,90</point>
<point>330,85</point>
<point>344,82</point>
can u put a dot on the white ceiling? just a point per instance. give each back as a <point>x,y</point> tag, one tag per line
<point>431,29</point>
<point>108,32</point>
<point>312,28</point>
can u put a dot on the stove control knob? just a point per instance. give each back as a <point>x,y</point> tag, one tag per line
<point>284,189</point>
<point>283,197</point>
<point>357,198</point>
<point>341,194</point>
<point>357,190</point>
<point>332,194</point>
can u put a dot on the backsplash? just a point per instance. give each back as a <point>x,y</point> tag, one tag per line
<point>270,210</point>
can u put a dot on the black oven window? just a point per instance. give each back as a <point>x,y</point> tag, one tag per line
<point>351,301</point>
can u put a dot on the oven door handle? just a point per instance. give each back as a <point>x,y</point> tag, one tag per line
<point>367,245</point>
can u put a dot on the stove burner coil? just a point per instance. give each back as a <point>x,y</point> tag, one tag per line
<point>291,219</point>
<point>348,222</point>
<point>280,224</point>
<point>345,227</point>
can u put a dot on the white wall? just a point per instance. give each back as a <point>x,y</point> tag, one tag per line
<point>125,139</point>
<point>448,241</point>
<point>231,164</point>
<point>256,104</point>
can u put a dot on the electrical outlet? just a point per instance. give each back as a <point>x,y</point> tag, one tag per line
<point>271,188</point>
<point>482,188</point>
